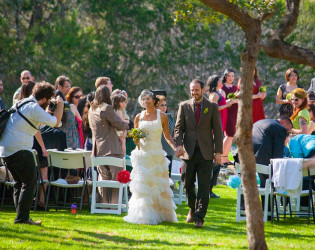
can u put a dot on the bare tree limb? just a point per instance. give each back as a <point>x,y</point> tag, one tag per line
<point>241,17</point>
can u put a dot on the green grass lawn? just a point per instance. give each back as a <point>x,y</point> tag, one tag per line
<point>63,230</point>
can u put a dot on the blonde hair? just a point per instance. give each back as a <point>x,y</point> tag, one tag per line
<point>299,93</point>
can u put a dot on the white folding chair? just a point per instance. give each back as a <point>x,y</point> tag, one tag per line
<point>66,160</point>
<point>108,208</point>
<point>261,169</point>
<point>309,193</point>
<point>179,196</point>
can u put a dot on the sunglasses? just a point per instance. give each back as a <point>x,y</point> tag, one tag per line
<point>295,100</point>
<point>77,96</point>
<point>163,105</point>
<point>25,78</point>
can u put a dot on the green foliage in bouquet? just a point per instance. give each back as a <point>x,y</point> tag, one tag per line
<point>263,89</point>
<point>288,96</point>
<point>231,96</point>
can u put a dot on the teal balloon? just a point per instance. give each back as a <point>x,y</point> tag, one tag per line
<point>234,181</point>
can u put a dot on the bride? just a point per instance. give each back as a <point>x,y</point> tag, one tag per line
<point>151,201</point>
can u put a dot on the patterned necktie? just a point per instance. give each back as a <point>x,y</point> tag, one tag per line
<point>197,113</point>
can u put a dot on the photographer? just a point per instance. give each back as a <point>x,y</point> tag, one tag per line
<point>16,146</point>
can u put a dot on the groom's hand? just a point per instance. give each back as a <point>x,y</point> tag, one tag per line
<point>179,151</point>
<point>217,159</point>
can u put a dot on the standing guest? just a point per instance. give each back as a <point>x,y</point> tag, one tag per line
<point>151,201</point>
<point>26,76</point>
<point>229,87</point>
<point>102,80</point>
<point>198,136</point>
<point>26,90</point>
<point>312,87</point>
<point>1,90</point>
<point>103,121</point>
<point>258,98</point>
<point>119,104</point>
<point>73,98</point>
<point>62,85</point>
<point>16,147</point>
<point>162,105</point>
<point>291,76</point>
<point>301,117</point>
<point>311,98</point>
<point>217,95</point>
<point>311,129</point>
<point>85,122</point>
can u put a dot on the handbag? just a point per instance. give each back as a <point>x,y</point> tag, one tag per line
<point>72,179</point>
<point>6,114</point>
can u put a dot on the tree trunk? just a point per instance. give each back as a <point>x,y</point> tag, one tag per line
<point>243,139</point>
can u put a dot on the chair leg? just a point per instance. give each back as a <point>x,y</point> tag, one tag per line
<point>284,206</point>
<point>3,195</point>
<point>290,208</point>
<point>36,196</point>
<point>47,197</point>
<point>277,207</point>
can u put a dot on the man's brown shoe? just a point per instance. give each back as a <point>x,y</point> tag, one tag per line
<point>31,222</point>
<point>190,217</point>
<point>199,224</point>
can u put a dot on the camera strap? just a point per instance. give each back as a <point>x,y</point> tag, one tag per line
<point>17,109</point>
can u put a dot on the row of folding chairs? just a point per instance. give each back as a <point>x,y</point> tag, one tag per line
<point>273,198</point>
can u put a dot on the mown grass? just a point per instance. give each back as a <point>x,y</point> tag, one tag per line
<point>62,230</point>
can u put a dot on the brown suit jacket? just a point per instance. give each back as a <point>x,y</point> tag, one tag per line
<point>103,122</point>
<point>208,133</point>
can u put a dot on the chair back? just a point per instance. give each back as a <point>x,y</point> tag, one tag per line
<point>263,169</point>
<point>67,160</point>
<point>107,161</point>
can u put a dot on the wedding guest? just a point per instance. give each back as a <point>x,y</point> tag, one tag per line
<point>300,117</point>
<point>62,85</point>
<point>258,98</point>
<point>103,121</point>
<point>292,77</point>
<point>73,97</point>
<point>162,105</point>
<point>26,90</point>
<point>230,129</point>
<point>119,104</point>
<point>26,76</point>
<point>85,121</point>
<point>1,90</point>
<point>217,95</point>
<point>312,87</point>
<point>311,110</point>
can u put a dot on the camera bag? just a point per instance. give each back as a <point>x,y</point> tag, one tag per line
<point>5,116</point>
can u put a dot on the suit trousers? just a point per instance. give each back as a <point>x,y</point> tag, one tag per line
<point>22,167</point>
<point>197,165</point>
<point>109,195</point>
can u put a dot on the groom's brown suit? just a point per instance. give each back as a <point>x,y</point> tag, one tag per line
<point>200,143</point>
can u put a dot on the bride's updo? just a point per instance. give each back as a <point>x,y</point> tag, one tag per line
<point>149,93</point>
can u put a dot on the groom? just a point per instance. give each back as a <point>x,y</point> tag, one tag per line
<point>199,139</point>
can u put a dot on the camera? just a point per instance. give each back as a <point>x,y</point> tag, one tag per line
<point>52,106</point>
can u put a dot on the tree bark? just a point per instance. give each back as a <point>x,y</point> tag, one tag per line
<point>243,137</point>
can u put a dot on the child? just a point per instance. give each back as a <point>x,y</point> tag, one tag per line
<point>119,104</point>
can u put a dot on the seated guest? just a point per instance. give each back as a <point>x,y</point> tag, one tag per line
<point>103,121</point>
<point>300,117</point>
<point>311,129</point>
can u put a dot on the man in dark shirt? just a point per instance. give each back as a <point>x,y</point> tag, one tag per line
<point>268,142</point>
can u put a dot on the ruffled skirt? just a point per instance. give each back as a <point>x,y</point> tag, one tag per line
<point>151,201</point>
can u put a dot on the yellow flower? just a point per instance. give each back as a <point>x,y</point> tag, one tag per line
<point>205,111</point>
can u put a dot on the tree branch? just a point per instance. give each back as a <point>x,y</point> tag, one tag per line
<point>242,18</point>
<point>276,47</point>
<point>280,49</point>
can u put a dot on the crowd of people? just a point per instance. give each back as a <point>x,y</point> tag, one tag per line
<point>64,117</point>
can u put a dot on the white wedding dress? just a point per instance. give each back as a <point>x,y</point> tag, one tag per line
<point>151,201</point>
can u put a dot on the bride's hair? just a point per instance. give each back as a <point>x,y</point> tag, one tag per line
<point>149,93</point>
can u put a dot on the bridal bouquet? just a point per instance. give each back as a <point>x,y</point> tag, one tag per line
<point>136,134</point>
<point>262,89</point>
